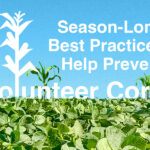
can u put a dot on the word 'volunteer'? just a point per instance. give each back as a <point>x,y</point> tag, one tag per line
<point>86,92</point>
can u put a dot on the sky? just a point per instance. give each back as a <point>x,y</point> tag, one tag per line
<point>46,14</point>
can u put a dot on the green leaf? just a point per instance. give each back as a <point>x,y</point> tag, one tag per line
<point>8,130</point>
<point>25,138</point>
<point>78,129</point>
<point>55,76</point>
<point>79,144</point>
<point>34,72</point>
<point>3,119</point>
<point>62,128</point>
<point>53,138</point>
<point>103,144</point>
<point>135,140</point>
<point>26,119</point>
<point>15,135</point>
<point>115,137</point>
<point>39,119</point>
<point>38,136</point>
<point>91,143</point>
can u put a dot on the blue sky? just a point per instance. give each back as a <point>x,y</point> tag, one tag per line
<point>46,14</point>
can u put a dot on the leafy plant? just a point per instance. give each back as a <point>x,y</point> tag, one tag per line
<point>43,74</point>
<point>16,26</point>
<point>65,124</point>
<point>145,80</point>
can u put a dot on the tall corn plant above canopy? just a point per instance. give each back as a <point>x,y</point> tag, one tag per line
<point>145,80</point>
<point>44,76</point>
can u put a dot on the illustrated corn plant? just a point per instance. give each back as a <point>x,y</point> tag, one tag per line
<point>145,80</point>
<point>43,74</point>
<point>16,25</point>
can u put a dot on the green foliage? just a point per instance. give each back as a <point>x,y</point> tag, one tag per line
<point>145,80</point>
<point>74,124</point>
<point>44,74</point>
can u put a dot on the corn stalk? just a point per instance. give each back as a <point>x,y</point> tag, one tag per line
<point>16,25</point>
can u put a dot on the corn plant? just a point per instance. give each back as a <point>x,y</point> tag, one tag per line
<point>43,74</point>
<point>16,25</point>
<point>145,80</point>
